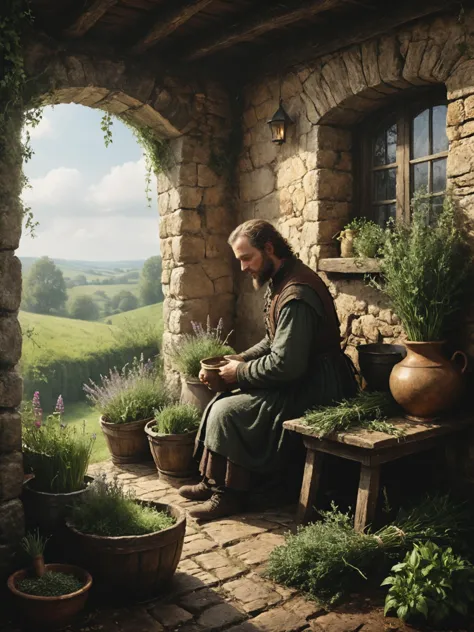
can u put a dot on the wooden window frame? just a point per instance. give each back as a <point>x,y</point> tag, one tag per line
<point>401,113</point>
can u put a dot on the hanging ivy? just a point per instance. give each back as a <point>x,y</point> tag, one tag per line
<point>17,111</point>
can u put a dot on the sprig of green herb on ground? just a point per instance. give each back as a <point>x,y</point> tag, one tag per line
<point>366,410</point>
<point>328,559</point>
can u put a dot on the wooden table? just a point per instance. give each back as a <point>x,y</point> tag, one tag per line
<point>371,450</point>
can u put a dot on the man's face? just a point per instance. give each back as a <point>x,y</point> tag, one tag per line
<point>258,264</point>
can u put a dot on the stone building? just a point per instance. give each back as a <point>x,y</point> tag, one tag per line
<point>376,94</point>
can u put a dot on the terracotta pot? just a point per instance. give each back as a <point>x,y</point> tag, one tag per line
<point>196,393</point>
<point>172,453</point>
<point>210,367</point>
<point>127,443</point>
<point>347,243</point>
<point>425,383</point>
<point>50,613</point>
<point>132,567</point>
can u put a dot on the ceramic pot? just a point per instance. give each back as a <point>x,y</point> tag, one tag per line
<point>376,362</point>
<point>210,368</point>
<point>347,243</point>
<point>196,393</point>
<point>425,383</point>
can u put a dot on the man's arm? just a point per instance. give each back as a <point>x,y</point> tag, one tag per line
<point>289,354</point>
<point>262,348</point>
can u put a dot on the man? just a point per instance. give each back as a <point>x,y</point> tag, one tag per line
<point>298,365</point>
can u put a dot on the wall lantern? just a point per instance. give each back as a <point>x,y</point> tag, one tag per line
<point>278,124</point>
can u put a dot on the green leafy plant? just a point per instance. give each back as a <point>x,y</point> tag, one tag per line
<point>202,343</point>
<point>176,419</point>
<point>430,582</point>
<point>368,239</point>
<point>328,559</point>
<point>50,585</point>
<point>131,394</point>
<point>56,454</point>
<point>365,410</point>
<point>110,510</point>
<point>33,543</point>
<point>425,268</point>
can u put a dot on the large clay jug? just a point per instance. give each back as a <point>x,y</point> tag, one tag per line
<point>425,383</point>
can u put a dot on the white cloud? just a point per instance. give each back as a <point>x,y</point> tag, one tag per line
<point>42,130</point>
<point>122,189</point>
<point>56,188</point>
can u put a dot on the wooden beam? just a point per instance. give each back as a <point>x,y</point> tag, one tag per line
<point>165,25</point>
<point>90,16</point>
<point>264,24</point>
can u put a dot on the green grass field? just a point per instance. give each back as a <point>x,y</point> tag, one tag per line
<point>110,290</point>
<point>78,413</point>
<point>149,314</point>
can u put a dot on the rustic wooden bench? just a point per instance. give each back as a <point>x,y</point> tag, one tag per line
<point>371,450</point>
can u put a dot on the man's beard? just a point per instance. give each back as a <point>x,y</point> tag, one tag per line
<point>265,274</point>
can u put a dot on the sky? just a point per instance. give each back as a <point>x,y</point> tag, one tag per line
<point>89,199</point>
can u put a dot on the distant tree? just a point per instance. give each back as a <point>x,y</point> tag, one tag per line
<point>83,307</point>
<point>128,303</point>
<point>150,289</point>
<point>80,279</point>
<point>101,294</point>
<point>44,289</point>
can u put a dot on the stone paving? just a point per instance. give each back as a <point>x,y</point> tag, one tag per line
<point>219,583</point>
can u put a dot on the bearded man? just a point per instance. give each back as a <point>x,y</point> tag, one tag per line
<point>298,365</point>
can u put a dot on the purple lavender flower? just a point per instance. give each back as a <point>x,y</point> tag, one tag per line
<point>38,423</point>
<point>36,401</point>
<point>59,405</point>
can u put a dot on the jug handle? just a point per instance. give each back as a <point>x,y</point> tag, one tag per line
<point>464,357</point>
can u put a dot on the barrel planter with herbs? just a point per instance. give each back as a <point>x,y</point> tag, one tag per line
<point>131,547</point>
<point>172,435</point>
<point>126,400</point>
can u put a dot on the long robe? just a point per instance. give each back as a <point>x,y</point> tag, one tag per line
<point>279,380</point>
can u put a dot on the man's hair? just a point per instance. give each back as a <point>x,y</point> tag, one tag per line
<point>259,232</point>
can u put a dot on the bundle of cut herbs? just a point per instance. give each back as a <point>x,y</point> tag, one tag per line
<point>328,559</point>
<point>365,410</point>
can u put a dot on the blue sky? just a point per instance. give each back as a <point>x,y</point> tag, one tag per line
<point>89,200</point>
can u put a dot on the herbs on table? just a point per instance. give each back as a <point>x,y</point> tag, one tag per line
<point>425,268</point>
<point>430,582</point>
<point>365,410</point>
<point>202,343</point>
<point>131,394</point>
<point>109,510</point>
<point>50,585</point>
<point>176,419</point>
<point>328,559</point>
<point>58,455</point>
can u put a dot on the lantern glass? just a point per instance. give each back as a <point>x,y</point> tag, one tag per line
<point>278,124</point>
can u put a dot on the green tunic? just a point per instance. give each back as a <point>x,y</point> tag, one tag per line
<point>278,381</point>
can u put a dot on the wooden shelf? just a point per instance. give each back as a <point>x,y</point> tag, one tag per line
<point>349,266</point>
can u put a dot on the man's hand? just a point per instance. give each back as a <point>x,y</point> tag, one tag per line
<point>229,372</point>
<point>202,378</point>
<point>239,358</point>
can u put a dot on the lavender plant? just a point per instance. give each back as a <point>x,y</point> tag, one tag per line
<point>58,455</point>
<point>129,394</point>
<point>203,343</point>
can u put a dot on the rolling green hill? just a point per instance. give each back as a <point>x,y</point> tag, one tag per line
<point>93,270</point>
<point>149,314</point>
<point>110,290</point>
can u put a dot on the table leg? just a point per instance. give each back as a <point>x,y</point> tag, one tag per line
<point>367,496</point>
<point>310,485</point>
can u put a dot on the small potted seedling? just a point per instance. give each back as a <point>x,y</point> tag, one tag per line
<point>48,596</point>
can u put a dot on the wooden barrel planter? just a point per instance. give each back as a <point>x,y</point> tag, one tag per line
<point>172,453</point>
<point>135,568</point>
<point>196,393</point>
<point>127,442</point>
<point>49,614</point>
<point>48,511</point>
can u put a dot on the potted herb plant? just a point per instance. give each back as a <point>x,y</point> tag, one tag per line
<point>362,238</point>
<point>132,548</point>
<point>126,400</point>
<point>48,596</point>
<point>202,343</point>
<point>425,269</point>
<point>58,458</point>
<point>171,435</point>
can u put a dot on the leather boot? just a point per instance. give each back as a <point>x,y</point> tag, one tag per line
<point>221,504</point>
<point>201,491</point>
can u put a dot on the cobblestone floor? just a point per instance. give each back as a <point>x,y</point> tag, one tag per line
<point>219,584</point>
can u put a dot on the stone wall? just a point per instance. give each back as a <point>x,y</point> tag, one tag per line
<point>306,185</point>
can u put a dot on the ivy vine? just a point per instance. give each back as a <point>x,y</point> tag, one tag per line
<point>156,151</point>
<point>19,110</point>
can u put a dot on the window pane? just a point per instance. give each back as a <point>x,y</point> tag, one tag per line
<point>379,150</point>
<point>380,188</point>
<point>420,135</point>
<point>440,139</point>
<point>436,204</point>
<point>391,179</point>
<point>439,175</point>
<point>420,176</point>
<point>383,213</point>
<point>391,144</point>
